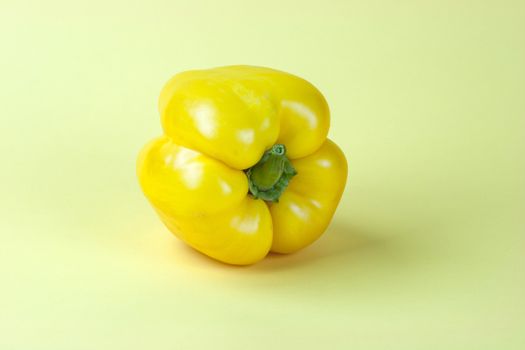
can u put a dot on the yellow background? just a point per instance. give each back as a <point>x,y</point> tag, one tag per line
<point>426,250</point>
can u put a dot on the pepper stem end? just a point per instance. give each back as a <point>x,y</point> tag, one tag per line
<point>269,178</point>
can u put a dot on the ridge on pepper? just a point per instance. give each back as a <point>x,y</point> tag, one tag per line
<point>244,166</point>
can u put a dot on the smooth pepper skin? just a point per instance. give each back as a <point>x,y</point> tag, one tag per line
<point>217,124</point>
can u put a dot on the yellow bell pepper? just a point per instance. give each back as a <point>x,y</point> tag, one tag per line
<point>244,166</point>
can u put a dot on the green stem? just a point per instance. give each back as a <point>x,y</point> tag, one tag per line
<point>270,176</point>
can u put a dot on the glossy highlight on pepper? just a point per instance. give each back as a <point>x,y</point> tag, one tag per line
<point>244,166</point>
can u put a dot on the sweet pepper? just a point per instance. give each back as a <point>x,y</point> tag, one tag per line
<point>244,166</point>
